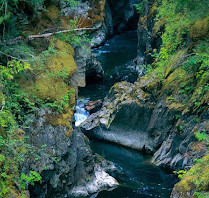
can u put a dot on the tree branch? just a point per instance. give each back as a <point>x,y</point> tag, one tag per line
<point>45,35</point>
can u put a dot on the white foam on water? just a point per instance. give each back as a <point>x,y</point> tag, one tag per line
<point>81,114</point>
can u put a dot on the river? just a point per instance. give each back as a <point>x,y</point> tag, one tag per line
<point>138,177</point>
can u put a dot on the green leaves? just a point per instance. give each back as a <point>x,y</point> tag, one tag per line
<point>72,3</point>
<point>59,105</point>
<point>6,119</point>
<point>31,179</point>
<point>202,136</point>
<point>180,173</point>
<point>13,68</point>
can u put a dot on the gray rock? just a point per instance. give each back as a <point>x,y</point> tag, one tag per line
<point>64,163</point>
<point>133,116</point>
<point>104,29</point>
<point>80,10</point>
<point>127,18</point>
<point>100,181</point>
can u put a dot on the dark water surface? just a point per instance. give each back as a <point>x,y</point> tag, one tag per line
<point>113,56</point>
<point>138,177</point>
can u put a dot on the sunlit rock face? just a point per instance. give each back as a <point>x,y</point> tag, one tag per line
<point>100,181</point>
<point>142,117</point>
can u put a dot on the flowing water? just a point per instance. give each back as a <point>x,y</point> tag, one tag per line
<point>138,177</point>
<point>113,56</point>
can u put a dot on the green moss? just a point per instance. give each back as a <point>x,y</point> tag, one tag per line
<point>196,179</point>
<point>52,12</point>
<point>151,81</point>
<point>174,62</point>
<point>200,28</point>
<point>61,119</point>
<point>62,62</point>
<point>50,81</point>
<point>2,99</point>
<point>176,106</point>
<point>176,77</point>
<point>48,88</point>
<point>6,117</point>
<point>62,46</point>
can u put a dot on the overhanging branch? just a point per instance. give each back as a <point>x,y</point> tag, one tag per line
<point>45,35</point>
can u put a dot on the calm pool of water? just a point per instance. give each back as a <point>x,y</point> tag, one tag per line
<point>138,177</point>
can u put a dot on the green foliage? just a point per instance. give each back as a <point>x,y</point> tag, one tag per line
<point>13,68</point>
<point>16,100</point>
<point>14,151</point>
<point>180,173</point>
<point>195,179</point>
<point>201,195</point>
<point>59,105</point>
<point>14,104</point>
<point>20,61</point>
<point>31,179</point>
<point>140,6</point>
<point>202,136</point>
<point>6,119</point>
<point>171,98</point>
<point>12,19</point>
<point>73,37</point>
<point>72,3</point>
<point>183,65</point>
<point>177,17</point>
<point>14,22</point>
<point>146,68</point>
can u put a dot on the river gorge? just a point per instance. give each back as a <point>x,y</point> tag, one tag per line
<point>104,99</point>
<point>136,174</point>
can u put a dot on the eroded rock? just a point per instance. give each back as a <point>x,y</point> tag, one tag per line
<point>93,106</point>
<point>143,117</point>
<point>100,181</point>
<point>65,161</point>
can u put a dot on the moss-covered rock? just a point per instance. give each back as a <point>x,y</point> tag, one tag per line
<point>173,81</point>
<point>64,120</point>
<point>50,83</point>
<point>175,61</point>
<point>195,180</point>
<point>200,28</point>
<point>2,99</point>
<point>52,12</point>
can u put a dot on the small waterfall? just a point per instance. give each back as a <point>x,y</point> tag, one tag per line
<point>81,114</point>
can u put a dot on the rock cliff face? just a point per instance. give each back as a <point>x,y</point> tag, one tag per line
<point>148,40</point>
<point>104,18</point>
<point>97,16</point>
<point>196,179</point>
<point>143,117</point>
<point>66,163</point>
<point>124,15</point>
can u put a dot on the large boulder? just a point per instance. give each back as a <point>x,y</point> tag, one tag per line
<point>142,116</point>
<point>194,183</point>
<point>93,106</point>
<point>66,161</point>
